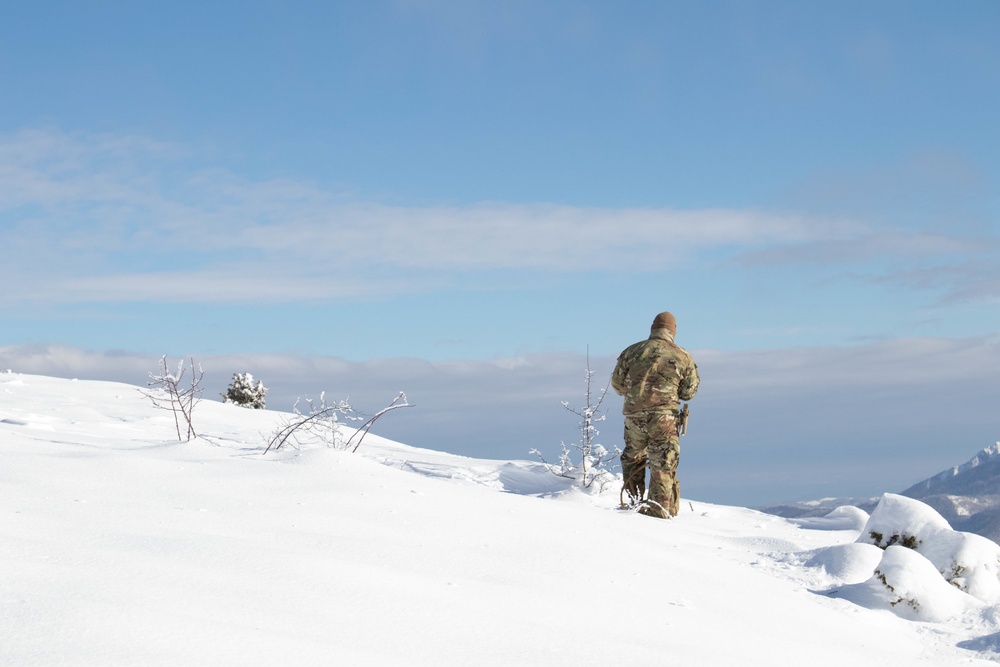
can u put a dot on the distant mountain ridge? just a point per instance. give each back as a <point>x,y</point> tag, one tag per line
<point>977,477</point>
<point>968,496</point>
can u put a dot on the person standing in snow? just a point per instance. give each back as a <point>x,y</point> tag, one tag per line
<point>654,376</point>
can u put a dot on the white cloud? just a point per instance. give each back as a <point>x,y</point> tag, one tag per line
<point>858,246</point>
<point>105,218</point>
<point>970,280</point>
<point>906,362</point>
<point>863,419</point>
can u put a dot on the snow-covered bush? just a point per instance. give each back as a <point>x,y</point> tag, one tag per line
<point>901,520</point>
<point>928,571</point>
<point>243,391</point>
<point>909,585</point>
<point>969,562</point>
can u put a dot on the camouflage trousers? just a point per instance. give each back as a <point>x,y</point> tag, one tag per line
<point>651,440</point>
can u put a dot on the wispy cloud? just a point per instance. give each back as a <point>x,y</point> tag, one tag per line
<point>110,218</point>
<point>974,280</point>
<point>115,217</point>
<point>861,246</point>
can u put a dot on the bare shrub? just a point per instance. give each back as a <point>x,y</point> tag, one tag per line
<point>323,424</point>
<point>167,391</point>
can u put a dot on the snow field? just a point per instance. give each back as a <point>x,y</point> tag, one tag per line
<point>119,545</point>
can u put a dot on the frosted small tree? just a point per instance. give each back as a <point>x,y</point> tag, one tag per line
<point>243,391</point>
<point>167,391</point>
<point>595,462</point>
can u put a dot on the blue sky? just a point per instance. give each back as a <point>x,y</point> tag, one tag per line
<point>485,188</point>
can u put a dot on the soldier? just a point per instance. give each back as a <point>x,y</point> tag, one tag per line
<point>654,375</point>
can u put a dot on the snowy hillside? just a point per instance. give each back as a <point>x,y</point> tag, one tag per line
<point>120,545</point>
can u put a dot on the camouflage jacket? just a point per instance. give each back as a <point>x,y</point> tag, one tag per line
<point>655,374</point>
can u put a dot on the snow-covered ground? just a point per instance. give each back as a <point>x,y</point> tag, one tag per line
<point>121,546</point>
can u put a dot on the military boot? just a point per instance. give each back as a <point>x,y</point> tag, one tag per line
<point>634,482</point>
<point>654,509</point>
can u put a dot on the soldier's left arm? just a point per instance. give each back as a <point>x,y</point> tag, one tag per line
<point>689,384</point>
<point>618,376</point>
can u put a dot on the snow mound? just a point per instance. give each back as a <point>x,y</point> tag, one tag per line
<point>847,562</point>
<point>845,517</point>
<point>910,586</point>
<point>927,572</point>
<point>968,562</point>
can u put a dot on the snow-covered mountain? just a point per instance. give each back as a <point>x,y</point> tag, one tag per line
<point>968,496</point>
<point>977,477</point>
<point>120,545</point>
